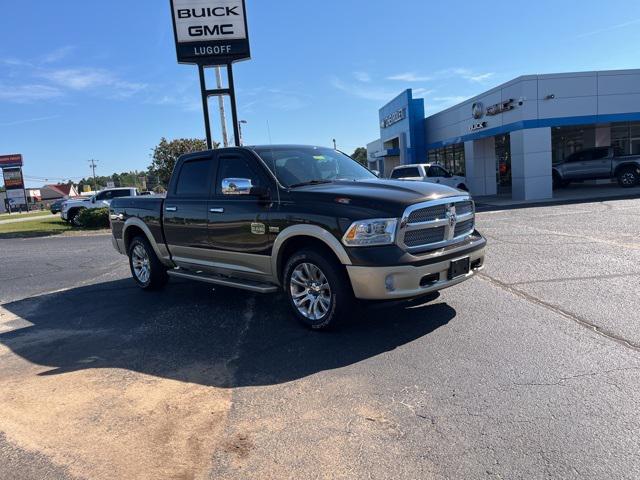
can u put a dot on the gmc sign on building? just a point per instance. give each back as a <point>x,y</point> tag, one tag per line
<point>210,32</point>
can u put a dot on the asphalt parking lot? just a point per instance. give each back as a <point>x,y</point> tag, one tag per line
<point>531,370</point>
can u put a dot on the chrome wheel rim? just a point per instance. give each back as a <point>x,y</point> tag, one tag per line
<point>141,264</point>
<point>628,178</point>
<point>310,291</point>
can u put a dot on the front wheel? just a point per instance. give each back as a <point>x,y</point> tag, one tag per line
<point>318,289</point>
<point>146,268</point>
<point>628,178</point>
<point>74,217</point>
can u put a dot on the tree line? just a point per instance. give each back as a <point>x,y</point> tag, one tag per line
<point>163,159</point>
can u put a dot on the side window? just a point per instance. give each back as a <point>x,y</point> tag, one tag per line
<point>435,171</point>
<point>600,153</point>
<point>194,178</point>
<point>236,166</point>
<point>407,172</point>
<point>121,193</point>
<point>398,173</point>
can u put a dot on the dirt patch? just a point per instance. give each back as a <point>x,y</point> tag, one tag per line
<point>109,424</point>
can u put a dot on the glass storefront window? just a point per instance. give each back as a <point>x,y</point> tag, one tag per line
<point>450,157</point>
<point>503,157</point>
<point>568,140</point>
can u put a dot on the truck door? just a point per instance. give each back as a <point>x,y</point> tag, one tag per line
<point>185,211</point>
<point>239,236</point>
<point>597,164</point>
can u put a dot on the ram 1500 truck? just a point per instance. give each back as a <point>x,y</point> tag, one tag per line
<point>598,163</point>
<point>309,221</point>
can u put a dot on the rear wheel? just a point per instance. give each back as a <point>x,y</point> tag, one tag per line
<point>628,177</point>
<point>146,268</point>
<point>318,289</point>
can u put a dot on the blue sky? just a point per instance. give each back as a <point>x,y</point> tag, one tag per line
<point>81,80</point>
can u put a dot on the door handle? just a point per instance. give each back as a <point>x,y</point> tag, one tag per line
<point>171,209</point>
<point>216,210</point>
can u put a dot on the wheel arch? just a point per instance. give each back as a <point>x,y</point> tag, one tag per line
<point>626,166</point>
<point>300,236</point>
<point>134,227</point>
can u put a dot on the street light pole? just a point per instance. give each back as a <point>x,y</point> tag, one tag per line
<point>335,145</point>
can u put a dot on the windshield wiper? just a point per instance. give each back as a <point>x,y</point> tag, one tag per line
<point>312,182</point>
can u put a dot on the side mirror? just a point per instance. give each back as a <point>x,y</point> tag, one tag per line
<point>237,186</point>
<point>376,173</point>
<point>448,175</point>
<point>93,200</point>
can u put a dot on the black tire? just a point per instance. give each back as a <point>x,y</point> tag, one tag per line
<point>156,276</point>
<point>74,217</point>
<point>628,177</point>
<point>339,297</point>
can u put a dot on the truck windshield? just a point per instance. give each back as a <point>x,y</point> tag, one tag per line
<point>297,166</point>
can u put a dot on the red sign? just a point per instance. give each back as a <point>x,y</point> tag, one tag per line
<point>10,161</point>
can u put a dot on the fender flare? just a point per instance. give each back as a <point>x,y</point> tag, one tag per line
<point>624,166</point>
<point>161,251</point>
<point>307,231</point>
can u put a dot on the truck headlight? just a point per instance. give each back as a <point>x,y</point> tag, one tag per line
<point>365,233</point>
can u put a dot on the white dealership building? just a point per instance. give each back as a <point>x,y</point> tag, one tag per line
<point>508,138</point>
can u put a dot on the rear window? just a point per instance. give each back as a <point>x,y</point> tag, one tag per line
<point>406,172</point>
<point>194,178</point>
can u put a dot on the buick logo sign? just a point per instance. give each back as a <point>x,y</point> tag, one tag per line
<point>477,110</point>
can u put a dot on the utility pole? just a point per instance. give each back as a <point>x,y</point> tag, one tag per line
<point>335,145</point>
<point>240,123</point>
<point>223,115</point>
<point>92,164</point>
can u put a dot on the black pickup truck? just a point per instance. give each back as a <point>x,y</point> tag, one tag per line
<point>306,220</point>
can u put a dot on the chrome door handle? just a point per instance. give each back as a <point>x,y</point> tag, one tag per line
<point>216,210</point>
<point>171,209</point>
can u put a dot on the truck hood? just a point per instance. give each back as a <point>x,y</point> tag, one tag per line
<point>390,197</point>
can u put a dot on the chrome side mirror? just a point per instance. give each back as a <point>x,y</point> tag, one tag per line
<point>376,173</point>
<point>236,186</point>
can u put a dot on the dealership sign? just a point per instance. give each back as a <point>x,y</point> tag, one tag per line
<point>14,185</point>
<point>501,107</point>
<point>210,32</point>
<point>393,118</point>
<point>7,161</point>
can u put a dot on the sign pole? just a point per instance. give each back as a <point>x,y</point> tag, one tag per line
<point>205,106</point>
<point>234,107</point>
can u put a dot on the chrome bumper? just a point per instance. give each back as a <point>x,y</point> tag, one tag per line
<point>403,281</point>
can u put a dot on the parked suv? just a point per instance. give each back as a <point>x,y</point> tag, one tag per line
<point>598,163</point>
<point>429,172</point>
<point>71,209</point>
<point>308,221</point>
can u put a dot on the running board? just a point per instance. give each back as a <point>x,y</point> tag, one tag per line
<point>249,285</point>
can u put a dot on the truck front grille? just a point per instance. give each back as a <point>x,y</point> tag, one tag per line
<point>435,224</point>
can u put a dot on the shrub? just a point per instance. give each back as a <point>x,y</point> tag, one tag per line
<point>94,218</point>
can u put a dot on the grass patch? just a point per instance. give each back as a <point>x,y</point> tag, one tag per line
<point>6,216</point>
<point>35,228</point>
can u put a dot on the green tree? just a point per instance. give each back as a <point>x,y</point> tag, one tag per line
<point>360,156</point>
<point>166,153</point>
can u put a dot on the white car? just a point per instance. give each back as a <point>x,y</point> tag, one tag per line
<point>71,209</point>
<point>429,172</point>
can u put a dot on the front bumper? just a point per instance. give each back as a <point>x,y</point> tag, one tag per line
<point>410,281</point>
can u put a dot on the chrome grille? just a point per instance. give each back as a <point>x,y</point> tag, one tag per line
<point>428,214</point>
<point>464,227</point>
<point>416,238</point>
<point>437,223</point>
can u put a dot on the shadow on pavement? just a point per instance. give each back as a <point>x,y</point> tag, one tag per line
<point>223,338</point>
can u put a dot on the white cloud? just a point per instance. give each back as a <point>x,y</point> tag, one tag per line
<point>410,77</point>
<point>274,98</point>
<point>611,28</point>
<point>421,92</point>
<point>362,77</point>
<point>28,120</point>
<point>87,79</point>
<point>365,91</point>
<point>28,93</point>
<point>58,54</point>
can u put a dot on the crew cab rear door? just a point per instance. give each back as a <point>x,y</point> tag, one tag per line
<point>185,215</point>
<point>240,239</point>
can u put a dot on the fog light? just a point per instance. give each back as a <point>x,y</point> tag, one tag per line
<point>388,283</point>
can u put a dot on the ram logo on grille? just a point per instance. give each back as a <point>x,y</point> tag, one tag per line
<point>451,215</point>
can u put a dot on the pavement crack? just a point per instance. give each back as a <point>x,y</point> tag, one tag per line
<point>583,322</point>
